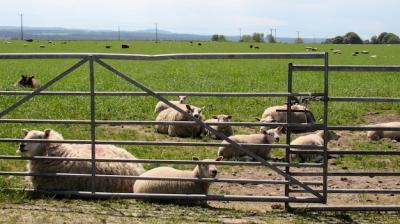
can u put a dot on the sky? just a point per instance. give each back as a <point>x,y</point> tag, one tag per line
<point>319,18</point>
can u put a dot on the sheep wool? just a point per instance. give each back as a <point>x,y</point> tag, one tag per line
<point>78,167</point>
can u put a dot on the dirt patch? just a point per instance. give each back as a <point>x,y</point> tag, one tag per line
<point>380,117</point>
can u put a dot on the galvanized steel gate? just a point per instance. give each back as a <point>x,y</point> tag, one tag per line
<point>317,195</point>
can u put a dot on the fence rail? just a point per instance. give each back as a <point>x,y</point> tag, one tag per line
<point>283,169</point>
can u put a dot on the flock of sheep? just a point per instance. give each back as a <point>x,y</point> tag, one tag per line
<point>267,135</point>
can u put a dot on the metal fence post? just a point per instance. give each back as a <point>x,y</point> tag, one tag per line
<point>92,122</point>
<point>326,134</point>
<point>288,131</point>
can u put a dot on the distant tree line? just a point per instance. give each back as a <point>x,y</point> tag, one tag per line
<point>354,38</point>
<point>256,37</point>
<point>218,37</point>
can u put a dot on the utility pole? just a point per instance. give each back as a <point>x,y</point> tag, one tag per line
<point>240,34</point>
<point>156,31</point>
<point>275,35</point>
<point>298,35</point>
<point>119,33</point>
<point>22,26</point>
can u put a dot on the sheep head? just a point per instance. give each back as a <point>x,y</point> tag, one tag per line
<point>37,148</point>
<point>222,117</point>
<point>195,111</point>
<point>206,170</point>
<point>182,99</point>
<point>272,135</point>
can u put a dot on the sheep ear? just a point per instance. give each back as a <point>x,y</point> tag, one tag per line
<point>219,158</point>
<point>229,116</point>
<point>264,132</point>
<point>25,132</point>
<point>279,129</point>
<point>195,158</point>
<point>258,119</point>
<point>47,133</point>
<point>188,107</point>
<point>214,117</point>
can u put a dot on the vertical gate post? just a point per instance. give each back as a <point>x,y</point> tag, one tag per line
<point>92,123</point>
<point>288,131</point>
<point>326,134</point>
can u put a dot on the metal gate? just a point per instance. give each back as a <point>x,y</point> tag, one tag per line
<point>281,168</point>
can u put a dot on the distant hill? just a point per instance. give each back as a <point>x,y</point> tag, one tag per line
<point>56,33</point>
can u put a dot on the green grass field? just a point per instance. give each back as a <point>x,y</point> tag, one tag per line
<point>193,75</point>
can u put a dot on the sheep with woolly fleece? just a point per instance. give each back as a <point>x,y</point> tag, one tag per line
<point>266,137</point>
<point>277,114</point>
<point>317,139</point>
<point>178,130</point>
<point>31,149</point>
<point>177,186</point>
<point>378,134</point>
<point>224,129</point>
<point>28,81</point>
<point>162,106</point>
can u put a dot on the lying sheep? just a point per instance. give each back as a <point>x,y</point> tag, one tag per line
<point>317,139</point>
<point>186,130</point>
<point>28,81</point>
<point>180,186</point>
<point>266,137</point>
<point>80,167</point>
<point>276,114</point>
<point>376,135</point>
<point>162,106</point>
<point>224,129</point>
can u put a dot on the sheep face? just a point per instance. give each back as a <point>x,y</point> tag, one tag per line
<point>182,99</point>
<point>23,80</point>
<point>207,170</point>
<point>272,135</point>
<point>195,111</point>
<point>333,136</point>
<point>222,117</point>
<point>374,135</point>
<point>34,148</point>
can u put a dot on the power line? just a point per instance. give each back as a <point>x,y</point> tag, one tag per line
<point>119,33</point>
<point>22,26</point>
<point>156,31</point>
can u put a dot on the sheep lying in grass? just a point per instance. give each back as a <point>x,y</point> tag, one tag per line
<point>273,114</point>
<point>317,139</point>
<point>376,135</point>
<point>79,151</point>
<point>266,137</point>
<point>224,129</point>
<point>177,187</point>
<point>28,81</point>
<point>185,130</point>
<point>162,106</point>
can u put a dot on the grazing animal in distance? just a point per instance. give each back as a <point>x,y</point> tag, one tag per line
<point>28,81</point>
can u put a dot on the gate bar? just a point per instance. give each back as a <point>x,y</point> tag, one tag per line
<point>222,136</point>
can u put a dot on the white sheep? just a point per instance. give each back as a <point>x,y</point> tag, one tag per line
<point>316,139</point>
<point>378,134</point>
<point>179,186</point>
<point>178,130</point>
<point>272,114</point>
<point>224,129</point>
<point>266,137</point>
<point>81,167</point>
<point>162,106</point>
